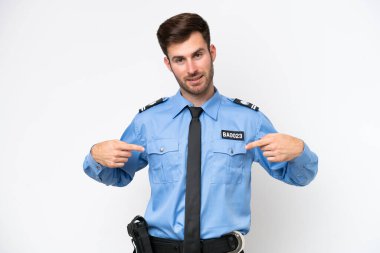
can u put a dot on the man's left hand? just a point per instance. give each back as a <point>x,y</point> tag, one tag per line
<point>278,147</point>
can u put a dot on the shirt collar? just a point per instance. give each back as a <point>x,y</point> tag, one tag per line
<point>211,107</point>
<point>178,104</point>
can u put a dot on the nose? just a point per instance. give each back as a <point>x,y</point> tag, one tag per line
<point>191,67</point>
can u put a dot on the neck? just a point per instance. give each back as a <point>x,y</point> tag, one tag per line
<point>200,99</point>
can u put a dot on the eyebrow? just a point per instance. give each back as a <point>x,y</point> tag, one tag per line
<point>199,50</point>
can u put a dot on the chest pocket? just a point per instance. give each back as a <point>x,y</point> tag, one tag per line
<point>163,159</point>
<point>227,159</point>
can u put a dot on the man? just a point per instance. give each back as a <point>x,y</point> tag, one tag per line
<point>199,165</point>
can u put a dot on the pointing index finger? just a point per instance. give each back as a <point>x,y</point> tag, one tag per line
<point>258,143</point>
<point>133,147</point>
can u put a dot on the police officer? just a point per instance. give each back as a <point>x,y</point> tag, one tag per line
<point>233,135</point>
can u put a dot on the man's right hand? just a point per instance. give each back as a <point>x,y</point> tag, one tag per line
<point>113,153</point>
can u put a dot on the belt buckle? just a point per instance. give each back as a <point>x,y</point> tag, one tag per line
<point>241,243</point>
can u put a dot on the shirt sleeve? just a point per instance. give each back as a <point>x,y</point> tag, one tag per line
<point>300,171</point>
<point>119,176</point>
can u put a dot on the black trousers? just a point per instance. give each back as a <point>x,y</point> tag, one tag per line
<point>218,245</point>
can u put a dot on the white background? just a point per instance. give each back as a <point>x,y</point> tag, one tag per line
<point>73,73</point>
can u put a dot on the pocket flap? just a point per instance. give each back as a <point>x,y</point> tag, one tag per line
<point>230,147</point>
<point>162,146</point>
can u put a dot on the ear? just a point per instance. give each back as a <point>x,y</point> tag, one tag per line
<point>213,52</point>
<point>167,63</point>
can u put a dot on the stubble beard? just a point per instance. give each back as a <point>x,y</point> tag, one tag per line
<point>196,92</point>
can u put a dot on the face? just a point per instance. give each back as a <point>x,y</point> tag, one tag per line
<point>192,65</point>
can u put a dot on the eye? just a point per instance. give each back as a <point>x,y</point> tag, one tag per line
<point>198,55</point>
<point>178,60</point>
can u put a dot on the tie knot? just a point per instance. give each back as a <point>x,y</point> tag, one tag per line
<point>195,111</point>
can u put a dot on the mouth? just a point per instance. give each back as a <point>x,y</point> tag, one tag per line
<point>195,79</point>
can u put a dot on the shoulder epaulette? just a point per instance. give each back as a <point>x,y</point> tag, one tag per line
<point>159,101</point>
<point>246,104</point>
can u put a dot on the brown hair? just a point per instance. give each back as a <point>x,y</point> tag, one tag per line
<point>178,28</point>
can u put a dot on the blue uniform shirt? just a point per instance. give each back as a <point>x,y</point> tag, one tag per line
<point>226,165</point>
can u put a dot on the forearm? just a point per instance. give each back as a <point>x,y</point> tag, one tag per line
<point>301,170</point>
<point>105,175</point>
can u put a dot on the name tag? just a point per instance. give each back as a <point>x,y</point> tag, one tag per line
<point>233,135</point>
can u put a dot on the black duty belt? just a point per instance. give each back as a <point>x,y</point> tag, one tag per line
<point>224,244</point>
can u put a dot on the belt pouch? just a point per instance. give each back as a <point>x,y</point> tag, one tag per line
<point>138,230</point>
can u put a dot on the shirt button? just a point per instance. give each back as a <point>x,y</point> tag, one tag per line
<point>162,149</point>
<point>232,151</point>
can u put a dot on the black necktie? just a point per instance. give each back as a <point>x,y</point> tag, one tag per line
<point>192,242</point>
